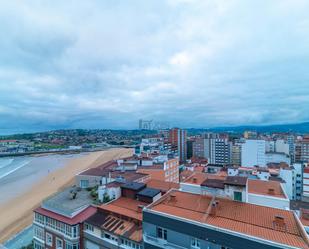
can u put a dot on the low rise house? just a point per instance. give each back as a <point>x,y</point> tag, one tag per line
<point>58,221</point>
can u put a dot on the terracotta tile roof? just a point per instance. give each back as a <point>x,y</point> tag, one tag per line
<point>249,219</point>
<point>126,207</point>
<point>236,180</point>
<point>271,188</point>
<point>101,170</point>
<point>79,218</point>
<point>116,225</point>
<point>154,174</point>
<point>199,169</point>
<point>213,183</point>
<point>196,178</point>
<point>185,174</point>
<point>152,167</point>
<point>162,185</point>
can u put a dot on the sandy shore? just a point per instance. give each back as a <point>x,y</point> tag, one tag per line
<point>17,213</point>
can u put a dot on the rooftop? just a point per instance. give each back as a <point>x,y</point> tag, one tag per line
<point>116,225</point>
<point>68,202</point>
<point>101,170</point>
<point>152,167</point>
<point>133,185</point>
<point>270,188</point>
<point>162,185</point>
<point>78,218</point>
<point>245,218</point>
<point>213,183</point>
<point>125,206</point>
<point>236,180</point>
<point>149,192</point>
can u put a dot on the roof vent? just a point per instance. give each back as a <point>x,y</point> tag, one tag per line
<point>271,191</point>
<point>194,180</point>
<point>73,194</point>
<point>279,223</point>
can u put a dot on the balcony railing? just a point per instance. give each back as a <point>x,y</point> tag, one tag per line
<point>162,243</point>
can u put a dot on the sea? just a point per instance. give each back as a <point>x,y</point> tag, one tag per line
<point>18,174</point>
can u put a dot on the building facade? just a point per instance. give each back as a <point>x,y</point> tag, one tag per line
<point>253,153</point>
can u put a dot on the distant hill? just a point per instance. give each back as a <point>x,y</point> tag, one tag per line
<point>295,128</point>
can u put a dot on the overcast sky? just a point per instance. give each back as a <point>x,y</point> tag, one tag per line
<point>105,64</point>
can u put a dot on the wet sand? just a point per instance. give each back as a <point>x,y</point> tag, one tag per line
<point>16,214</point>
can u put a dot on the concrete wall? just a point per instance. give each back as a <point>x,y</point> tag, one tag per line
<point>93,180</point>
<point>192,188</point>
<point>269,201</point>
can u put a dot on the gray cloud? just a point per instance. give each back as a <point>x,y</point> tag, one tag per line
<point>105,64</point>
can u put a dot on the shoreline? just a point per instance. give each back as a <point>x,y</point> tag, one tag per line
<point>16,214</point>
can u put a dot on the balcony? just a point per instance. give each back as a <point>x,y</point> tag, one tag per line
<point>161,243</point>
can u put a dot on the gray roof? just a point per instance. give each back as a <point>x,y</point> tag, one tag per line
<point>63,203</point>
<point>134,185</point>
<point>149,192</point>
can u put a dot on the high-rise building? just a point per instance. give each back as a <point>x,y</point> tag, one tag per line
<point>190,148</point>
<point>253,153</point>
<point>198,148</point>
<point>250,134</point>
<point>302,150</point>
<point>217,150</point>
<point>236,154</point>
<point>178,140</point>
<point>220,151</point>
<point>145,124</point>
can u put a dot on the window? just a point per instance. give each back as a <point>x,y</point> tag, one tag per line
<point>75,231</point>
<point>37,245</point>
<point>59,243</point>
<point>237,196</point>
<point>49,239</point>
<point>84,183</point>
<point>39,218</point>
<point>195,243</point>
<point>89,227</point>
<point>161,233</point>
<point>69,245</point>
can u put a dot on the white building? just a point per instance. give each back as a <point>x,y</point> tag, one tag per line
<point>253,153</point>
<point>293,181</point>
<point>277,157</point>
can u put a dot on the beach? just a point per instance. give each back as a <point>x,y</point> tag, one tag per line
<point>16,214</point>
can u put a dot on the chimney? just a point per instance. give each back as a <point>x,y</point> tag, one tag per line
<point>304,213</point>
<point>140,208</point>
<point>172,198</point>
<point>271,191</point>
<point>194,180</point>
<point>279,223</point>
<point>214,206</point>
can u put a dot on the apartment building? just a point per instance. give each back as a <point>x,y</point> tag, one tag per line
<point>117,224</point>
<point>236,154</point>
<point>302,150</point>
<point>58,221</point>
<point>253,153</point>
<point>178,140</point>
<point>187,220</point>
<point>167,171</point>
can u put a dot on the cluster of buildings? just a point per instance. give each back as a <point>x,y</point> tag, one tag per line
<point>160,198</point>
